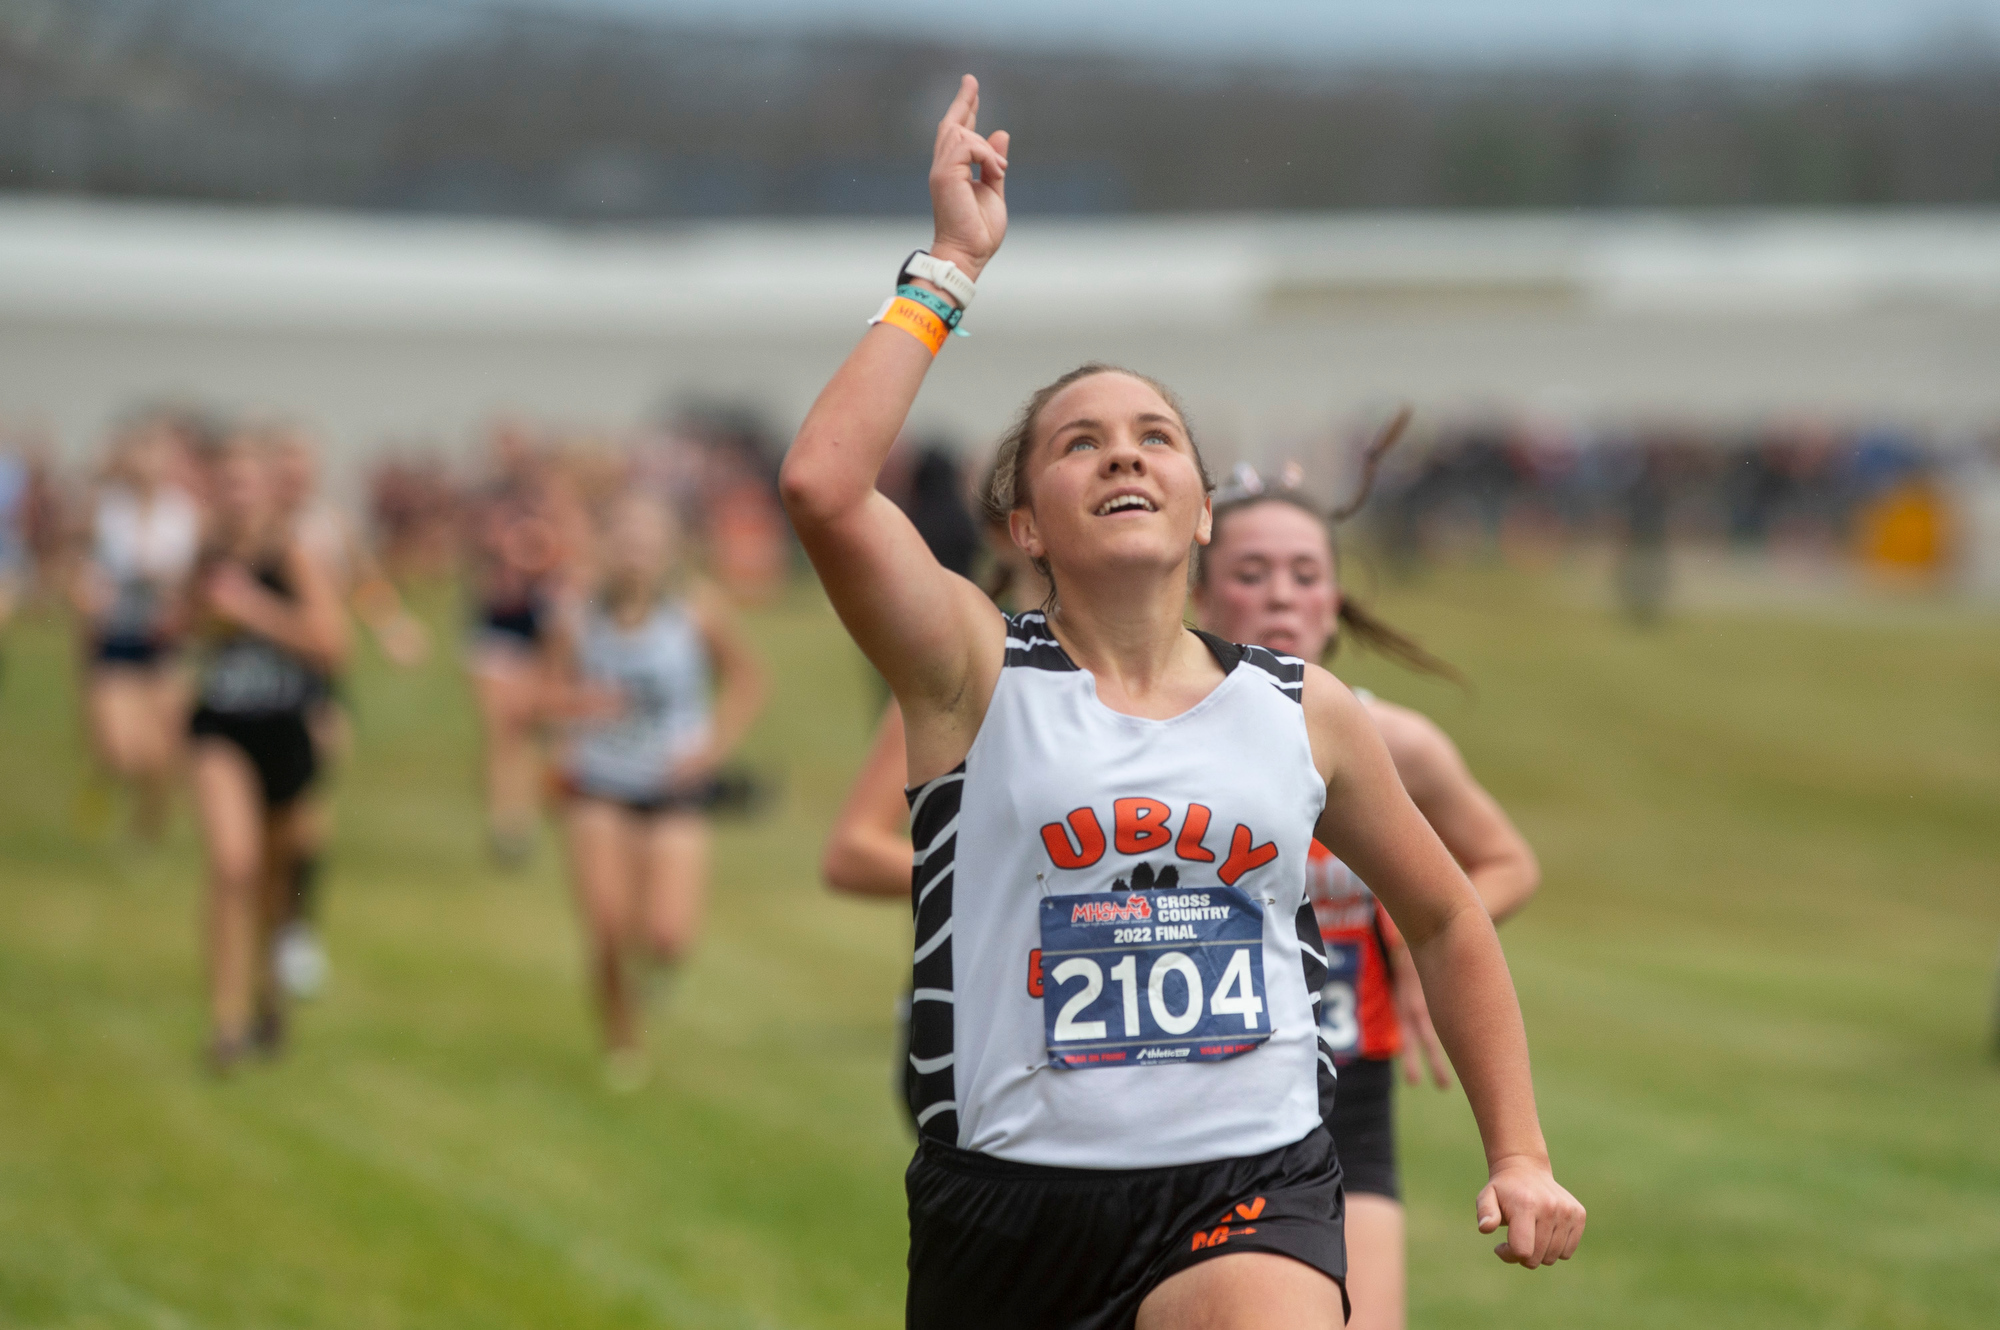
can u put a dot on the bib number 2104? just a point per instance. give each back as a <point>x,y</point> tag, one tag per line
<point>1145,978</point>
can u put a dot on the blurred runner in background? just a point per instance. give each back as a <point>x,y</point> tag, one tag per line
<point>129,592</point>
<point>517,554</point>
<point>658,685</point>
<point>748,540</point>
<point>1270,577</point>
<point>271,630</point>
<point>328,537</point>
<point>17,569</point>
<point>1643,571</point>
<point>413,511</point>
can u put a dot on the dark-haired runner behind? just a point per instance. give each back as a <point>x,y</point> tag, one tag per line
<point>1270,575</point>
<point>271,627</point>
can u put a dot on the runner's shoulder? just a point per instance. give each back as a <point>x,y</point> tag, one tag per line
<point>1421,750</point>
<point>1333,716</point>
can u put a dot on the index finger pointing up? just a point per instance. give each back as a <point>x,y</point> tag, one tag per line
<point>964,108</point>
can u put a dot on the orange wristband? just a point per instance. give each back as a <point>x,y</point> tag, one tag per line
<point>915,320</point>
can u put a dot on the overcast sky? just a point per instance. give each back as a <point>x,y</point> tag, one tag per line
<point>1754,33</point>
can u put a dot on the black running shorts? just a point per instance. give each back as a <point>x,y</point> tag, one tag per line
<point>996,1245</point>
<point>278,745</point>
<point>137,652</point>
<point>658,804</point>
<point>1363,1123</point>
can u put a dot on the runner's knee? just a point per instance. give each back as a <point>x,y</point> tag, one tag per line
<point>668,942</point>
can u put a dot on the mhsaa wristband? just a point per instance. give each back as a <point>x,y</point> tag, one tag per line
<point>920,323</point>
<point>937,305</point>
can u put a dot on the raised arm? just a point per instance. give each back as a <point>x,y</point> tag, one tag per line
<point>932,634</point>
<point>1371,823</point>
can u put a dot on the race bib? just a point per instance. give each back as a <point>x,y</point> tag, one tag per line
<point>1340,1000</point>
<point>1142,978</point>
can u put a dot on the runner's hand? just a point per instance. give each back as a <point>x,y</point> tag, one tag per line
<point>404,641</point>
<point>692,770</point>
<point>1544,1222</point>
<point>970,215</point>
<point>1420,1037</point>
<point>597,703</point>
<point>236,597</point>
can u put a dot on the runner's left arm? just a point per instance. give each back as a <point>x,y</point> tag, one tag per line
<point>1470,821</point>
<point>561,694</point>
<point>312,625</point>
<point>867,850</point>
<point>741,684</point>
<point>1372,824</point>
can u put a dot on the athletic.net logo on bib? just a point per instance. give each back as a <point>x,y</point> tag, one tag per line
<point>1145,978</point>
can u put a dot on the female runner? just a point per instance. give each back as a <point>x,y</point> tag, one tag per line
<point>518,554</point>
<point>1113,1028</point>
<point>642,757</point>
<point>272,628</point>
<point>130,596</point>
<point>1270,576</point>
<point>329,538</point>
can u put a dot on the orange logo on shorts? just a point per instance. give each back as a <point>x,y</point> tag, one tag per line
<point>1223,1232</point>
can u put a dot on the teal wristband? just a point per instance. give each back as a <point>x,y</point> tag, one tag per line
<point>937,305</point>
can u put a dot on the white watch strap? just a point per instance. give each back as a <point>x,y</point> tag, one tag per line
<point>943,273</point>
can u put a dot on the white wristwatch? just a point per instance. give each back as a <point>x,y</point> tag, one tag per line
<point>941,273</point>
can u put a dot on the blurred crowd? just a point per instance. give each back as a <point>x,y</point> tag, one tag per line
<point>1521,489</point>
<point>1884,497</point>
<point>419,512</point>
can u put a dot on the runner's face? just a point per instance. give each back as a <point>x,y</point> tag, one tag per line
<point>146,460</point>
<point>294,473</point>
<point>638,544</point>
<point>1113,480</point>
<point>243,488</point>
<point>1270,581</point>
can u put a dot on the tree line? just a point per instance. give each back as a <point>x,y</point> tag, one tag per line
<point>513,113</point>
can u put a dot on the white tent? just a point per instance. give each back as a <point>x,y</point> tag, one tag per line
<point>375,327</point>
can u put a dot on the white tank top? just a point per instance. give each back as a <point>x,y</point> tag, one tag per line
<point>144,550</point>
<point>661,668</point>
<point>1109,970</point>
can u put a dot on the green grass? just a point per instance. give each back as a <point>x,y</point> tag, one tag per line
<point>1756,979</point>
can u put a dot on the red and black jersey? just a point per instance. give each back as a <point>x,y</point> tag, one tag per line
<point>1357,1012</point>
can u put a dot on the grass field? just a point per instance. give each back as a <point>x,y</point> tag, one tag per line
<point>1757,981</point>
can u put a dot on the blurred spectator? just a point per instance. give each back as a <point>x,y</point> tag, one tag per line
<point>936,505</point>
<point>748,537</point>
<point>413,510</point>
<point>1642,564</point>
<point>16,563</point>
<point>1801,492</point>
<point>1978,487</point>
